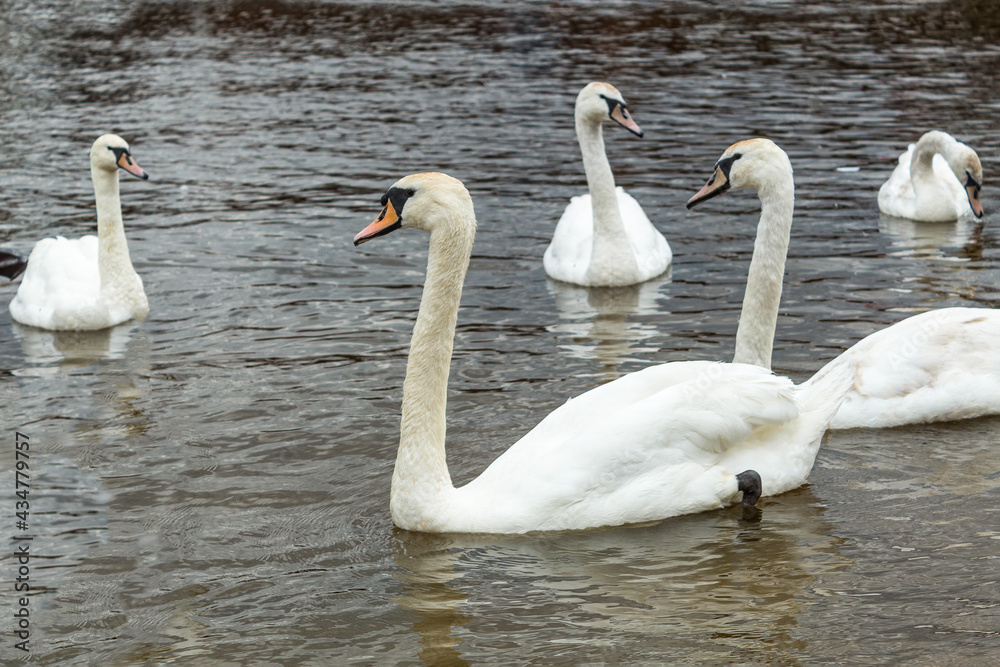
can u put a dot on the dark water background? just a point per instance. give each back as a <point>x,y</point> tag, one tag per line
<point>211,486</point>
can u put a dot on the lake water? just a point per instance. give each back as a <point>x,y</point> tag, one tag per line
<point>211,486</point>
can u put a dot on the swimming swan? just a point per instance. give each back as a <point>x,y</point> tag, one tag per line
<point>938,179</point>
<point>603,238</point>
<point>88,283</point>
<point>671,439</point>
<point>937,366</point>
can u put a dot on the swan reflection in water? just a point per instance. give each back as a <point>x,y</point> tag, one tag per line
<point>66,350</point>
<point>597,323</point>
<point>959,241</point>
<point>676,582</point>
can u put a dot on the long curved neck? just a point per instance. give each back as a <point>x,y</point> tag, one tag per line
<point>922,161</point>
<point>112,249</point>
<point>610,245</point>
<point>421,474</point>
<point>759,318</point>
<point>932,197</point>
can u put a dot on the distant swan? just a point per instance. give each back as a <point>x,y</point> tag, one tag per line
<point>604,238</point>
<point>940,365</point>
<point>671,439</point>
<point>88,283</point>
<point>938,179</point>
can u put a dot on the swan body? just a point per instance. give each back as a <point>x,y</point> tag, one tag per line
<point>87,283</point>
<point>937,366</point>
<point>604,238</point>
<point>938,179</point>
<point>671,439</point>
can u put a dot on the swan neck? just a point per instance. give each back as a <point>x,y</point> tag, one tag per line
<point>759,317</point>
<point>112,249</point>
<point>421,479</point>
<point>610,249</point>
<point>600,179</point>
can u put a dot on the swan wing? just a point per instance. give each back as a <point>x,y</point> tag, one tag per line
<point>939,365</point>
<point>952,186</point>
<point>61,275</point>
<point>644,447</point>
<point>896,197</point>
<point>568,256</point>
<point>651,250</point>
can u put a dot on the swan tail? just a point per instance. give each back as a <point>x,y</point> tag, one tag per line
<point>824,392</point>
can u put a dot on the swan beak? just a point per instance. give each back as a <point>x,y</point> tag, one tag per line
<point>621,116</point>
<point>126,162</point>
<point>972,189</point>
<point>717,184</point>
<point>386,222</point>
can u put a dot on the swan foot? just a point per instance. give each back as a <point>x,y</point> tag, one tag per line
<point>12,263</point>
<point>750,484</point>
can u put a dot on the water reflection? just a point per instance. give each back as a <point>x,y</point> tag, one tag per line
<point>959,241</point>
<point>66,350</point>
<point>426,567</point>
<point>599,321</point>
<point>677,582</point>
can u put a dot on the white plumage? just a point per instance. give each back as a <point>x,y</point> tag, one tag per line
<point>937,366</point>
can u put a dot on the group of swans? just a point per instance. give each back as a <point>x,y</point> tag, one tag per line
<point>604,239</point>
<point>671,439</point>
<point>674,438</point>
<point>87,283</point>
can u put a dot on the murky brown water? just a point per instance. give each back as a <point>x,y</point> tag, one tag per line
<point>212,485</point>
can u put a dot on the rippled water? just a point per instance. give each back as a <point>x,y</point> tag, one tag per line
<point>212,484</point>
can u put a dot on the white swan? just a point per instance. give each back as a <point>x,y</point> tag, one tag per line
<point>671,439</point>
<point>938,179</point>
<point>940,365</point>
<point>604,239</point>
<point>88,283</point>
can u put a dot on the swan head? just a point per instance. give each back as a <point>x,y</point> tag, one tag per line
<point>969,170</point>
<point>429,201</point>
<point>111,153</point>
<point>598,102</point>
<point>752,163</point>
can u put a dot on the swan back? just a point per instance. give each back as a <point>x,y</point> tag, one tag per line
<point>939,365</point>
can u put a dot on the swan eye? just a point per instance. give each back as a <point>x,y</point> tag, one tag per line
<point>737,156</point>
<point>971,181</point>
<point>119,152</point>
<point>613,104</point>
<point>410,192</point>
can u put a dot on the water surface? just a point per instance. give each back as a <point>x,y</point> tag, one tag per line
<point>212,484</point>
